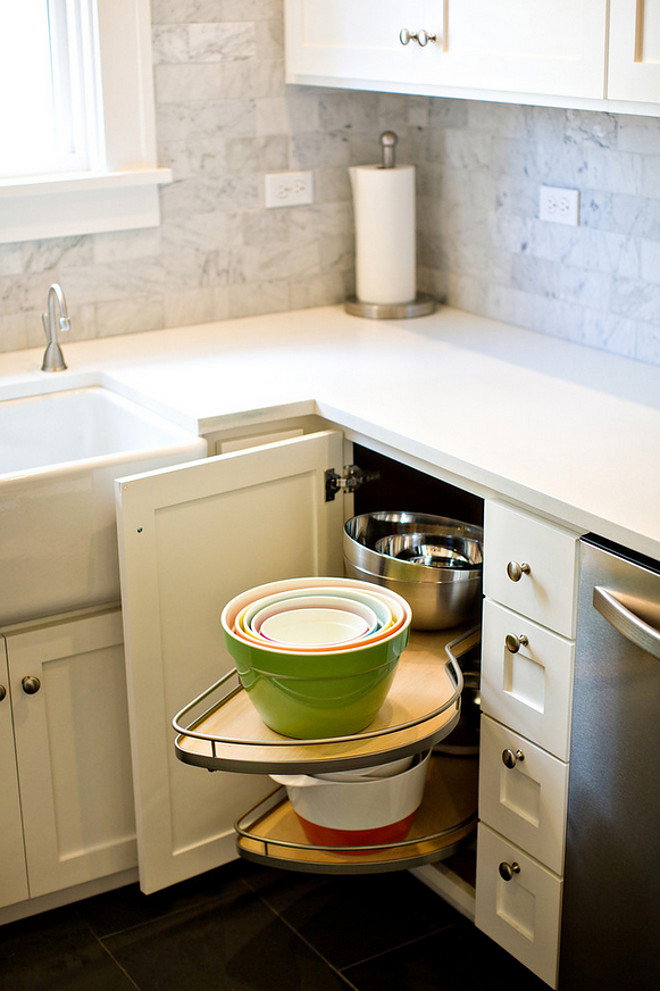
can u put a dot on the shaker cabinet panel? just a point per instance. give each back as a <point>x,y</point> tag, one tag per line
<point>72,743</point>
<point>530,566</point>
<point>634,51</point>
<point>190,539</point>
<point>518,904</point>
<point>525,47</point>
<point>13,876</point>
<point>527,678</point>
<point>523,793</point>
<point>360,39</point>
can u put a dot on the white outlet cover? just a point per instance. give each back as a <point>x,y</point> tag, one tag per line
<point>289,189</point>
<point>559,205</point>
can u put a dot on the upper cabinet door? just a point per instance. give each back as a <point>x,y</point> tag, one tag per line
<point>526,46</point>
<point>514,46</point>
<point>360,39</point>
<point>634,70</point>
<point>190,539</point>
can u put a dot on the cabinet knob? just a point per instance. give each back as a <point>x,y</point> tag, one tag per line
<point>3,693</point>
<point>508,870</point>
<point>510,757</point>
<point>31,684</point>
<point>421,37</point>
<point>513,643</point>
<point>515,571</point>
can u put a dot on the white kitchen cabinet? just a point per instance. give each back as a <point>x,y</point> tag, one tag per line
<point>68,695</point>
<point>634,51</point>
<point>513,47</point>
<point>570,53</point>
<point>13,871</point>
<point>190,539</point>
<point>194,536</point>
<point>528,659</point>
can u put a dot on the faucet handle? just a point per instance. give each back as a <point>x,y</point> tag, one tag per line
<point>44,320</point>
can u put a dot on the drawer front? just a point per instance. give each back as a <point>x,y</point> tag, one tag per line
<point>529,688</point>
<point>547,592</point>
<point>523,793</point>
<point>521,914</point>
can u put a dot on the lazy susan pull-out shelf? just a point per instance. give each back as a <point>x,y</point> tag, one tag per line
<point>422,707</point>
<point>271,834</point>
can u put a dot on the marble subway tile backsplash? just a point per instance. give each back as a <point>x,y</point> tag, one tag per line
<point>225,118</point>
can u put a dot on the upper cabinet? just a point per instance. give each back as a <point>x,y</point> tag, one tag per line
<point>532,51</point>
<point>634,63</point>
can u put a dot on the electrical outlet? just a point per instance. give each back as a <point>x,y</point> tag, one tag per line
<point>289,189</point>
<point>561,206</point>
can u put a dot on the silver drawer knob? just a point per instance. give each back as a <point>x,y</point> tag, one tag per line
<point>31,684</point>
<point>421,37</point>
<point>510,757</point>
<point>508,870</point>
<point>515,571</point>
<point>513,643</point>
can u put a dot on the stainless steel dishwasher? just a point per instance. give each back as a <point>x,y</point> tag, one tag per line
<point>611,913</point>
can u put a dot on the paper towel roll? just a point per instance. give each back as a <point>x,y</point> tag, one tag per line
<point>384,207</point>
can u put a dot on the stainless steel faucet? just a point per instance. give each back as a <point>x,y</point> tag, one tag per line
<point>53,357</point>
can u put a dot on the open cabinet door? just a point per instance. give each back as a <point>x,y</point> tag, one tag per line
<point>191,538</point>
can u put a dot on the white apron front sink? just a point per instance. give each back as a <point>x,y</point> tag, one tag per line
<point>59,456</point>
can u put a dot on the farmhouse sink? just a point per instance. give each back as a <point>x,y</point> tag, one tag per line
<point>59,456</point>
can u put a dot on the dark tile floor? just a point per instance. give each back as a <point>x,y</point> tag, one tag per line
<point>248,928</point>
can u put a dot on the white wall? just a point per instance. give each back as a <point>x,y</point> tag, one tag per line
<point>224,118</point>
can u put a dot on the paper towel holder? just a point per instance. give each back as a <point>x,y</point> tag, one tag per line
<point>423,304</point>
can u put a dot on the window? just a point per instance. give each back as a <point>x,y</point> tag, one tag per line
<point>79,150</point>
<point>48,59</point>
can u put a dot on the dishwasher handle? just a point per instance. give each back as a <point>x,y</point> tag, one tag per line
<point>628,623</point>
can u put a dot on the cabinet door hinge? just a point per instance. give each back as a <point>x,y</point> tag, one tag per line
<point>351,480</point>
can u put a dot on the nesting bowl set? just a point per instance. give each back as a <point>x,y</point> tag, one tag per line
<point>317,656</point>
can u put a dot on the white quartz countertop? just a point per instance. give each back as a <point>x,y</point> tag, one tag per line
<point>570,432</point>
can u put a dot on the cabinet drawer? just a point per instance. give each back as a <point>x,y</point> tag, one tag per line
<point>547,592</point>
<point>523,793</point>
<point>529,688</point>
<point>521,914</point>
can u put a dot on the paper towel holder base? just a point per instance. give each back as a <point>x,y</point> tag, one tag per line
<point>421,306</point>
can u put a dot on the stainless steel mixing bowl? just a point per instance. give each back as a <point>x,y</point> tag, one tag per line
<point>440,595</point>
<point>428,552</point>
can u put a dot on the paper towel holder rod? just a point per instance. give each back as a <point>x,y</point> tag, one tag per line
<point>388,140</point>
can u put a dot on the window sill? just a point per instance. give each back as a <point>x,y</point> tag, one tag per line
<point>81,203</point>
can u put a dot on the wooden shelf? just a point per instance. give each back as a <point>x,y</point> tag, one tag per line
<point>271,833</point>
<point>422,707</point>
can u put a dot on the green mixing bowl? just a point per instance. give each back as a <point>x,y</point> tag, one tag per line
<point>314,708</point>
<point>317,694</point>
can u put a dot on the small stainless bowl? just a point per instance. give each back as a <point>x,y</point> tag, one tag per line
<point>441,594</point>
<point>429,550</point>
